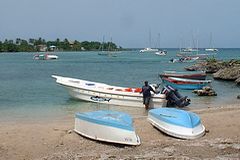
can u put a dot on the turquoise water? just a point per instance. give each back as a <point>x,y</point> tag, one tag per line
<point>29,92</point>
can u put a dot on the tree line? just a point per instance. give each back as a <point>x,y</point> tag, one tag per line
<point>40,44</point>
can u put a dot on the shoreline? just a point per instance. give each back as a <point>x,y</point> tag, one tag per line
<point>56,140</point>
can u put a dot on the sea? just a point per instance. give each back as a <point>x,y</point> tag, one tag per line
<point>28,92</point>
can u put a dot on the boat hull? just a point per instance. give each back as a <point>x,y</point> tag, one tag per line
<point>187,85</point>
<point>105,133</point>
<point>176,130</point>
<point>187,75</point>
<point>103,96</point>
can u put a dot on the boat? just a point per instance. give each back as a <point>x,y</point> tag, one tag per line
<point>183,83</point>
<point>161,53</point>
<point>184,59</point>
<point>148,50</point>
<point>188,75</point>
<point>189,50</point>
<point>107,126</point>
<point>211,49</point>
<point>177,123</point>
<point>45,56</point>
<point>108,94</point>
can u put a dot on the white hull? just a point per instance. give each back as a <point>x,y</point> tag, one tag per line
<point>177,131</point>
<point>148,50</point>
<point>52,57</point>
<point>211,49</point>
<point>161,53</point>
<point>106,133</point>
<point>100,93</point>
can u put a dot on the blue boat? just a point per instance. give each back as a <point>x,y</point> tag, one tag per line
<point>107,126</point>
<point>177,123</point>
<point>182,83</point>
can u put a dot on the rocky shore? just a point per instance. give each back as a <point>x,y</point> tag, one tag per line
<point>224,70</point>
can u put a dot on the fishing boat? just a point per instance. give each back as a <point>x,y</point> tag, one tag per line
<point>45,56</point>
<point>107,94</point>
<point>107,126</point>
<point>177,123</point>
<point>188,75</point>
<point>183,83</point>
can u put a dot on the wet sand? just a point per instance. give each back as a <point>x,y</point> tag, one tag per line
<point>53,140</point>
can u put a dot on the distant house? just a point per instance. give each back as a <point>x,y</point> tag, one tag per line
<point>42,47</point>
<point>52,48</point>
<point>71,43</point>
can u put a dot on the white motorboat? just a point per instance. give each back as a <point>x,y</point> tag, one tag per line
<point>107,126</point>
<point>161,53</point>
<point>177,123</point>
<point>107,94</point>
<point>211,49</point>
<point>148,50</point>
<point>45,57</point>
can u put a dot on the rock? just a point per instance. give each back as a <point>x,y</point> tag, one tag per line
<point>231,73</point>
<point>206,91</point>
<point>238,97</point>
<point>238,81</point>
<point>225,70</point>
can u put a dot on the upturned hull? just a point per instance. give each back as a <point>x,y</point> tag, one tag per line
<point>103,132</point>
<point>107,96</point>
<point>176,130</point>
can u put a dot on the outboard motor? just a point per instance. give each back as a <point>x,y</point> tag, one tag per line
<point>174,97</point>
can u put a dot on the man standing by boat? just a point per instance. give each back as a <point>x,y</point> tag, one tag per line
<point>146,91</point>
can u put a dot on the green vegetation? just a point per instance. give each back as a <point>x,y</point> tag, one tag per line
<point>35,45</point>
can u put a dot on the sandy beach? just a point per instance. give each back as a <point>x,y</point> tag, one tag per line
<point>52,140</point>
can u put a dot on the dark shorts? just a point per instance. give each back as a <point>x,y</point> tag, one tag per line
<point>146,100</point>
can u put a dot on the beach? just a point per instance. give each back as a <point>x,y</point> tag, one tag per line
<point>55,139</point>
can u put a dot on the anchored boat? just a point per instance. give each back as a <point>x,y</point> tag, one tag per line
<point>187,75</point>
<point>107,94</point>
<point>107,126</point>
<point>45,57</point>
<point>177,123</point>
<point>183,83</point>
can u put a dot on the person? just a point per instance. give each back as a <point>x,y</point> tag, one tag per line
<point>146,91</point>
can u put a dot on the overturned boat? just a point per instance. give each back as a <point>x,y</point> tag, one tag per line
<point>177,123</point>
<point>107,94</point>
<point>107,126</point>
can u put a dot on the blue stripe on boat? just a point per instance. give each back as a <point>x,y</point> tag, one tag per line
<point>108,118</point>
<point>184,86</point>
<point>176,117</point>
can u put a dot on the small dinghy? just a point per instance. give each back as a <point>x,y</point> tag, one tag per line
<point>177,123</point>
<point>107,126</point>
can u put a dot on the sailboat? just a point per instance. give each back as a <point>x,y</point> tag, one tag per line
<point>109,51</point>
<point>212,49</point>
<point>160,52</point>
<point>149,49</point>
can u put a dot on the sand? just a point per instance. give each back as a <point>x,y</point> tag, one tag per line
<point>53,140</point>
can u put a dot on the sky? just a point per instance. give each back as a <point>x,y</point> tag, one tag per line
<point>130,23</point>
